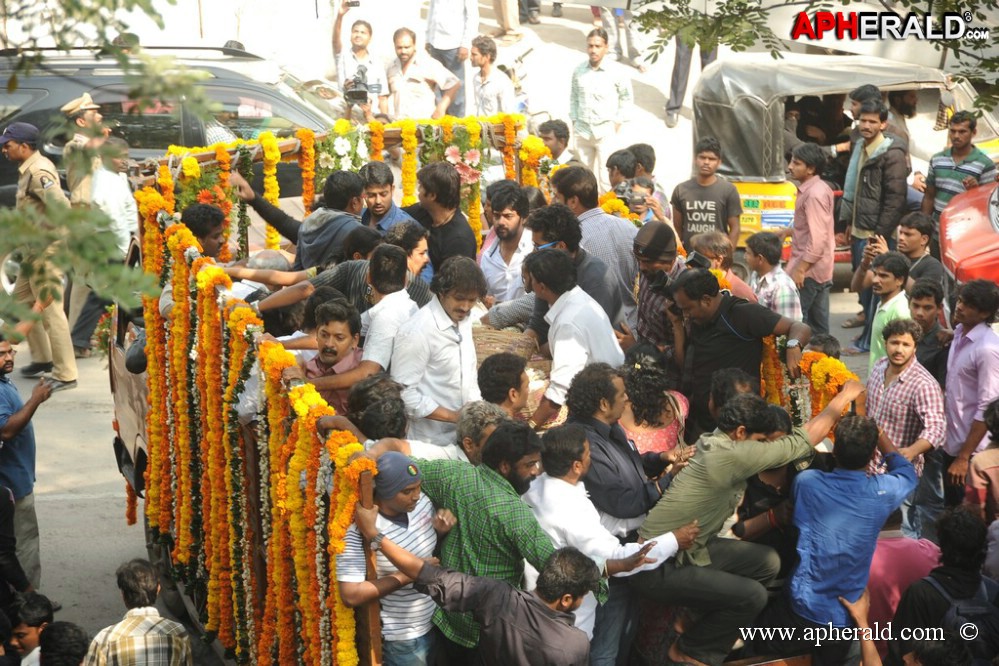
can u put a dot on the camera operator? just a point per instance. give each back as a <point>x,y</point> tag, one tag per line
<point>639,196</point>
<point>656,252</point>
<point>360,76</point>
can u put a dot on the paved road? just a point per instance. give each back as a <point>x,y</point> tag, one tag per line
<point>80,500</point>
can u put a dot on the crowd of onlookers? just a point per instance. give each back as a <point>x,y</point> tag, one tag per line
<point>644,502</point>
<point>29,634</point>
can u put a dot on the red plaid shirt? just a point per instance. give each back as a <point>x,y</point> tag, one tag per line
<point>908,409</point>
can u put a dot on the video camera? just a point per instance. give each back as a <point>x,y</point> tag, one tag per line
<point>357,92</point>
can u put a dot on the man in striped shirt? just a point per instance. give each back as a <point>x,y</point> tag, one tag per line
<point>956,169</point>
<point>406,517</point>
<point>773,287</point>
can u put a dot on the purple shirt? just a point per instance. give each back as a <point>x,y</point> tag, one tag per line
<point>972,382</point>
<point>812,237</point>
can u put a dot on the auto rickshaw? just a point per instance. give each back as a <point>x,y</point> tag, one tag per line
<point>741,102</point>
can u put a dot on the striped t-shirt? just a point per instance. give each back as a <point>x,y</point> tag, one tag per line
<point>948,177</point>
<point>406,613</point>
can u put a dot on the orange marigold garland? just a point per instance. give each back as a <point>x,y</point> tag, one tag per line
<point>827,376</point>
<point>772,372</point>
<point>272,155</point>
<point>307,162</point>
<point>150,203</point>
<point>509,144</point>
<point>224,161</point>
<point>164,180</point>
<point>131,504</point>
<point>183,249</point>
<point>377,134</point>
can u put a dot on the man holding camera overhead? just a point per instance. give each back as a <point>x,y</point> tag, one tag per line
<point>356,67</point>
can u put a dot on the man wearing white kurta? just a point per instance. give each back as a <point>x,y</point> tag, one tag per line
<point>434,356</point>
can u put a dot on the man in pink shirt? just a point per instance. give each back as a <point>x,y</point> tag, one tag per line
<point>898,562</point>
<point>812,236</point>
<point>972,382</point>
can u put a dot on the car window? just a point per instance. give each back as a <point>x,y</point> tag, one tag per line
<point>246,113</point>
<point>12,102</point>
<point>156,126</point>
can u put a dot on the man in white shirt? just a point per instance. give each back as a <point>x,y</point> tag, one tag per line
<point>110,193</point>
<point>580,332</point>
<point>416,78</point>
<point>559,501</point>
<point>349,62</point>
<point>434,355</point>
<point>451,25</point>
<point>598,101</point>
<point>492,88</point>
<point>501,263</point>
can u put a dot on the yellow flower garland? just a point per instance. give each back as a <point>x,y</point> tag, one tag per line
<point>272,193</point>
<point>772,372</point>
<point>474,129</point>
<point>407,130</point>
<point>190,168</point>
<point>532,150</point>
<point>827,376</point>
<point>165,182</point>
<point>377,130</point>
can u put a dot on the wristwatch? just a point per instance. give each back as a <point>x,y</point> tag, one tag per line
<point>793,342</point>
<point>376,542</point>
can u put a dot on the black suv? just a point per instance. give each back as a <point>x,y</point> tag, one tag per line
<point>251,94</point>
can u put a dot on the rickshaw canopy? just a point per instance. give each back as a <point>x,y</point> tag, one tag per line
<point>740,101</point>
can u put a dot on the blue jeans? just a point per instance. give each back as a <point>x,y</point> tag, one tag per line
<point>615,625</point>
<point>815,305</point>
<point>412,652</point>
<point>921,509</point>
<point>449,58</point>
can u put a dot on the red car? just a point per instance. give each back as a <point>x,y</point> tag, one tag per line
<point>969,235</point>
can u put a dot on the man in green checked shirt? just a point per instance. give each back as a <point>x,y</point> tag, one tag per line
<point>496,531</point>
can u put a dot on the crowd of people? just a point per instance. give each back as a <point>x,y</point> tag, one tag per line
<point>646,494</point>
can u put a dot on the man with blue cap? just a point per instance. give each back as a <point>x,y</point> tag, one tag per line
<point>406,516</point>
<point>38,189</point>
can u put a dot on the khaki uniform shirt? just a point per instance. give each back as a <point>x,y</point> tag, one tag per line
<point>78,178</point>
<point>38,183</point>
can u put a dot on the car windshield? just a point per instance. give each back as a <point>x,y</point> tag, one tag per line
<point>292,87</point>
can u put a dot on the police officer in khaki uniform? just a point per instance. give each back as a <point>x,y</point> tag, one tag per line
<point>90,134</point>
<point>38,187</point>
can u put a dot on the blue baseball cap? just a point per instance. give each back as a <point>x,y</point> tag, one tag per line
<point>20,132</point>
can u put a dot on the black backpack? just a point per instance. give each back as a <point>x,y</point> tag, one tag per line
<point>975,620</point>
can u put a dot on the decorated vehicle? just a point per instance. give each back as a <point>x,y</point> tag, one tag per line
<point>743,103</point>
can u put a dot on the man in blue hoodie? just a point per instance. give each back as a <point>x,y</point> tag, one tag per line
<point>323,231</point>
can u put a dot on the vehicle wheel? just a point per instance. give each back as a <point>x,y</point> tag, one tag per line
<point>739,266</point>
<point>159,556</point>
<point>9,269</point>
